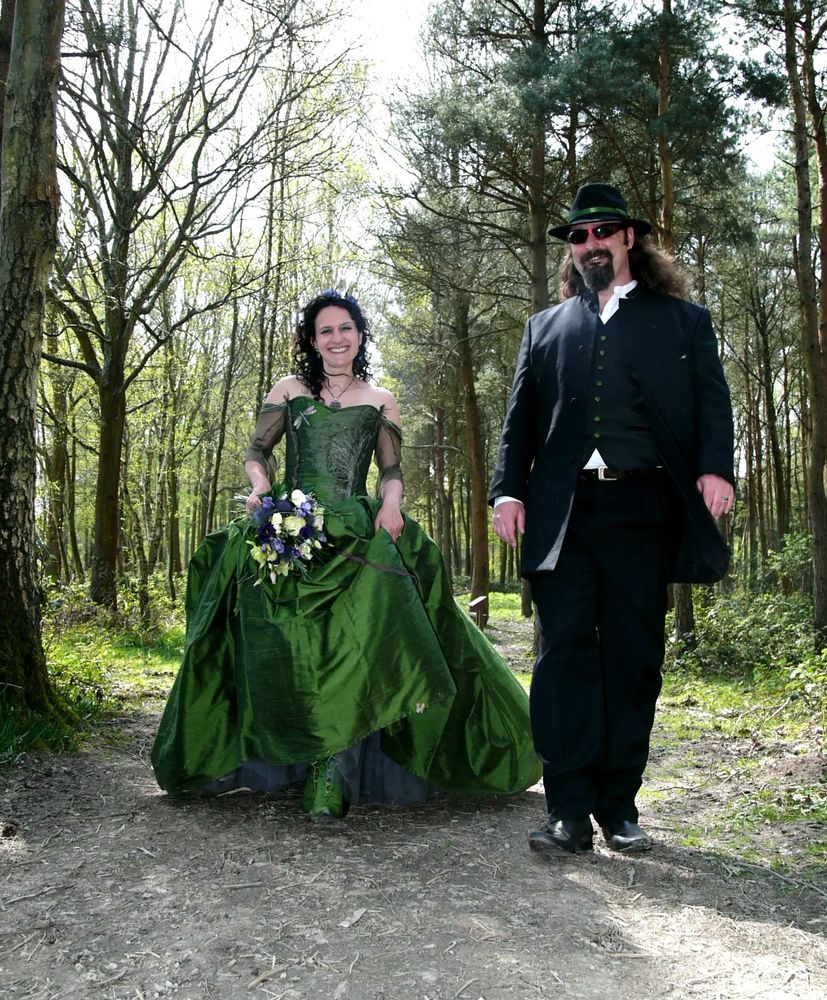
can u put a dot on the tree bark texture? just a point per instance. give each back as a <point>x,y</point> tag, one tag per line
<point>478,507</point>
<point>538,213</point>
<point>667,217</point>
<point>103,580</point>
<point>682,592</point>
<point>28,235</point>
<point>799,62</point>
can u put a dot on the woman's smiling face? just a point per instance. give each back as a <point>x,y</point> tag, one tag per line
<point>336,339</point>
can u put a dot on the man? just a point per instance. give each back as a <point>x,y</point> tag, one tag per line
<point>615,458</point>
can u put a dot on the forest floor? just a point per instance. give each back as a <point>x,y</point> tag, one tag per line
<point>111,889</point>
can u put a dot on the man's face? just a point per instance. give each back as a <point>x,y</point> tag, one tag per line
<point>603,258</point>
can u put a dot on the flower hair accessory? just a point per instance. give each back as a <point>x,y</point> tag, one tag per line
<point>334,293</point>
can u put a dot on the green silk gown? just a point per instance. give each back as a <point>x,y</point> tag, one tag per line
<point>285,680</point>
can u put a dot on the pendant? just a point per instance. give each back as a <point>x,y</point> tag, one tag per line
<point>334,404</point>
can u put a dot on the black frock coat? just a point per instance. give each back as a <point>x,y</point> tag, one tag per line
<point>673,353</point>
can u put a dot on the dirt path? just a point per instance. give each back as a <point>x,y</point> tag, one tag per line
<point>109,889</point>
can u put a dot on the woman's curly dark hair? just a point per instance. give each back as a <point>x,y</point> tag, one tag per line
<point>307,364</point>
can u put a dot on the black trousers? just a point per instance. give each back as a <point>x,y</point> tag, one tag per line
<point>598,672</point>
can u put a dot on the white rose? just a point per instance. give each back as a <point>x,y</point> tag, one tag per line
<point>297,498</point>
<point>276,519</point>
<point>293,524</point>
<point>318,522</point>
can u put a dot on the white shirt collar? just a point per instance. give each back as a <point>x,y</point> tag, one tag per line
<point>618,292</point>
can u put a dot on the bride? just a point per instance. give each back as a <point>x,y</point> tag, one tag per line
<point>360,680</point>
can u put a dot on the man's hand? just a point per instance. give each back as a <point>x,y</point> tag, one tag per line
<point>718,494</point>
<point>509,518</point>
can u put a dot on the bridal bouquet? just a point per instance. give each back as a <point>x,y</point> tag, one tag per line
<point>289,531</point>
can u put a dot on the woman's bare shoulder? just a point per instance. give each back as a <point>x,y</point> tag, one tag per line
<point>386,401</point>
<point>384,397</point>
<point>286,388</point>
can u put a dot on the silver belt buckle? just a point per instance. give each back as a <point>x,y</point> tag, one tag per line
<point>602,471</point>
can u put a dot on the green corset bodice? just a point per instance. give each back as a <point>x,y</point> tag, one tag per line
<point>329,452</point>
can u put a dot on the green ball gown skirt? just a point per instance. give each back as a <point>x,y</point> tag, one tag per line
<point>364,681</point>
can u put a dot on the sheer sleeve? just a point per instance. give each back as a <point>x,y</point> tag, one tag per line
<point>388,454</point>
<point>269,431</point>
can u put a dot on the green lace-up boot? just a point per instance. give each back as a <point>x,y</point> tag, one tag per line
<point>323,798</point>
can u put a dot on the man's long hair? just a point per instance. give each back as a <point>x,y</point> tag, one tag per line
<point>652,268</point>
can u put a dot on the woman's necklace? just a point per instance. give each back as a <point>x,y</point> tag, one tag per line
<point>334,404</point>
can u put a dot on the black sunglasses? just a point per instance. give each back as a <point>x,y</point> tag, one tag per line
<point>602,231</point>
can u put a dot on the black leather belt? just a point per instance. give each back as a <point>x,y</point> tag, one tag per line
<point>604,475</point>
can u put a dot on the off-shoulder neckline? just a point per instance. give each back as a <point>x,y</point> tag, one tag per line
<point>331,409</point>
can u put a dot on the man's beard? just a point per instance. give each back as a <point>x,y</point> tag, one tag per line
<point>597,277</point>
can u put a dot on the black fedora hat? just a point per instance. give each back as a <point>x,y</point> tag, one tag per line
<point>599,201</point>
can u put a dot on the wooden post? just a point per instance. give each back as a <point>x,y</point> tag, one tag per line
<point>478,609</point>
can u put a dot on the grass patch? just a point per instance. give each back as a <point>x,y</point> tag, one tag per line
<point>503,605</point>
<point>99,665</point>
<point>756,726</point>
<point>786,805</point>
<point>690,706</point>
<point>21,731</point>
<point>817,849</point>
<point>108,670</point>
<point>691,837</point>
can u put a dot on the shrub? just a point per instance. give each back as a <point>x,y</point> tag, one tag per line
<point>746,636</point>
<point>810,678</point>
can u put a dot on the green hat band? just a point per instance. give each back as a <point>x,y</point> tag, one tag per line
<point>602,209</point>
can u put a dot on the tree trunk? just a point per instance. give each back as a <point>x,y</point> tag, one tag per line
<point>226,389</point>
<point>442,516</point>
<point>57,472</point>
<point>752,472</point>
<point>667,218</point>
<point>137,532</point>
<point>781,519</point>
<point>759,479</point>
<point>71,507</point>
<point>480,581</point>
<point>174,565</point>
<point>538,214</point>
<point>451,530</point>
<point>685,614</point>
<point>107,532</point>
<point>812,325</point>
<point>28,237</point>
<point>682,592</point>
<point>538,225</point>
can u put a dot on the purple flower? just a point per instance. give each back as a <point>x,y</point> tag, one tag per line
<point>277,548</point>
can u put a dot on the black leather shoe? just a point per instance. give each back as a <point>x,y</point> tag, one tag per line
<point>627,837</point>
<point>571,835</point>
